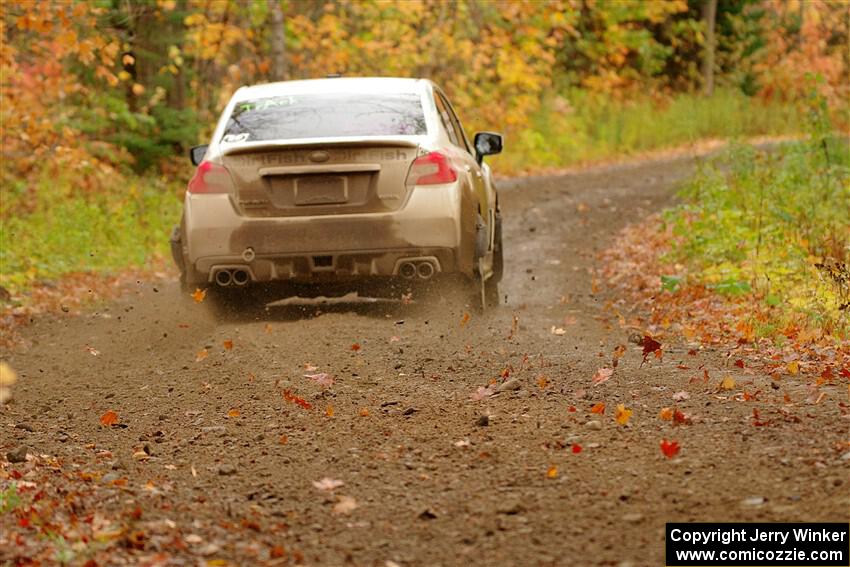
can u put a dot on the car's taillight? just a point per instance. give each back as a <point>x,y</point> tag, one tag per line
<point>210,178</point>
<point>431,169</point>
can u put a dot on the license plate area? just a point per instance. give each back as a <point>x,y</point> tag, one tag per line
<point>320,190</point>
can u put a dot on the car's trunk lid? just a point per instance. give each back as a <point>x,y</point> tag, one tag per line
<point>320,177</point>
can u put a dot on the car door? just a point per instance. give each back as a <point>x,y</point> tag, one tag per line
<point>483,190</point>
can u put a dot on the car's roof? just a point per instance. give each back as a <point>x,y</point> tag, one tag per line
<point>390,85</point>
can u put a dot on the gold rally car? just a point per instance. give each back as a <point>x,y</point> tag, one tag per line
<point>335,185</point>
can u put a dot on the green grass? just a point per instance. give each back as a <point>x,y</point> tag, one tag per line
<point>62,231</point>
<point>589,128</point>
<point>775,224</point>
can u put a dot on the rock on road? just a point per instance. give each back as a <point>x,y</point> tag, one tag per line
<point>428,480</point>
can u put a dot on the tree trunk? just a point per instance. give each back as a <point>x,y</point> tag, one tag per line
<point>278,67</point>
<point>709,15</point>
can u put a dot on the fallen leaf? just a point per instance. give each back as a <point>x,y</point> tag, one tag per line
<point>666,414</point>
<point>109,418</point>
<point>309,367</point>
<point>576,448</point>
<point>559,331</point>
<point>268,328</point>
<point>234,413</point>
<point>329,411</point>
<point>328,484</point>
<point>92,351</point>
<point>728,383</point>
<point>228,344</point>
<point>670,448</point>
<point>619,351</point>
<point>395,339</point>
<point>739,363</point>
<point>322,379</point>
<point>283,440</point>
<point>680,396</point>
<point>364,412</point>
<point>355,347</point>
<point>481,393</point>
<point>793,367</point>
<point>602,375</point>
<point>572,409</point>
<point>598,408</point>
<point>623,415</point>
<point>464,320</point>
<point>344,505</point>
<point>680,418</point>
<point>292,398</point>
<point>542,382</point>
<point>199,294</point>
<point>650,345</point>
<point>552,472</point>
<point>202,354</point>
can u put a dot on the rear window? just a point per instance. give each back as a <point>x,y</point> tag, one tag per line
<point>325,115</point>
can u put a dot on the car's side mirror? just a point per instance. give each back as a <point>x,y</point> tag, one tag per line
<point>197,154</point>
<point>487,144</point>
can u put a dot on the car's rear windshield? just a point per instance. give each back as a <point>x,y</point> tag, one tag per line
<point>325,115</point>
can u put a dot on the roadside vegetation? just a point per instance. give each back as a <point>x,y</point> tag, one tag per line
<point>101,100</point>
<point>756,258</point>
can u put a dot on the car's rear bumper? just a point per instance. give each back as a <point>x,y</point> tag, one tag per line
<point>428,229</point>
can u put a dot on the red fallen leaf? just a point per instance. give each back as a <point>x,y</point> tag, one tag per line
<point>619,351</point>
<point>683,367</point>
<point>739,363</point>
<point>650,345</point>
<point>109,418</point>
<point>506,373</point>
<point>757,419</point>
<point>679,418</point>
<point>16,474</point>
<point>571,409</point>
<point>24,522</point>
<point>844,372</point>
<point>576,448</point>
<point>598,408</point>
<point>250,524</point>
<point>670,448</point>
<point>290,397</point>
<point>182,326</point>
<point>277,552</point>
<point>355,347</point>
<point>692,352</point>
<point>826,375</point>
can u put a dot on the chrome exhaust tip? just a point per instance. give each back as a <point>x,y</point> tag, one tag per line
<point>407,270</point>
<point>241,277</point>
<point>425,270</point>
<point>223,278</point>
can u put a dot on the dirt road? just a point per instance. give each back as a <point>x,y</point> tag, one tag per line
<point>232,462</point>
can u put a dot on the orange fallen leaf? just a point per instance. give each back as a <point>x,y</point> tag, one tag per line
<point>329,411</point>
<point>355,347</point>
<point>670,448</point>
<point>598,408</point>
<point>199,295</point>
<point>623,415</point>
<point>283,440</point>
<point>542,382</point>
<point>793,367</point>
<point>364,412</point>
<point>109,418</point>
<point>202,354</point>
<point>666,414</point>
<point>234,413</point>
<point>228,344</point>
<point>728,383</point>
<point>268,328</point>
<point>552,472</point>
<point>464,320</point>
